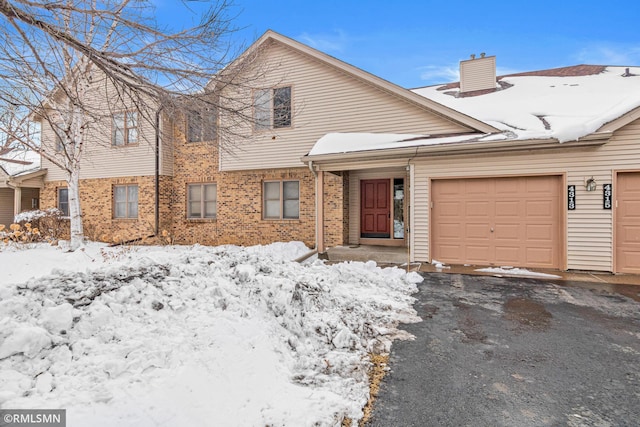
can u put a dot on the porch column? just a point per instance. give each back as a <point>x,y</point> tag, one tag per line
<point>320,212</point>
<point>17,200</point>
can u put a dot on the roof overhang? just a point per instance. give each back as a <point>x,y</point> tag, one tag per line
<point>17,181</point>
<point>335,161</point>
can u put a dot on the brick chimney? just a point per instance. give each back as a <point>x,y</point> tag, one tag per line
<point>478,73</point>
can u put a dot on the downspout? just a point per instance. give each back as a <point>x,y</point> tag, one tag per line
<point>315,200</point>
<point>157,174</point>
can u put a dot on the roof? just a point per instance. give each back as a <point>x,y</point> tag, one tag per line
<point>565,104</point>
<point>16,169</point>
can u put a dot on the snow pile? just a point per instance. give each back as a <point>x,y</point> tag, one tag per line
<point>200,336</point>
<point>510,271</point>
<point>28,216</point>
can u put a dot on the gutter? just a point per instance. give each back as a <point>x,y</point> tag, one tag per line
<point>469,147</point>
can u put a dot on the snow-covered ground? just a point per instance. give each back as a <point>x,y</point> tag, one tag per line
<point>198,336</point>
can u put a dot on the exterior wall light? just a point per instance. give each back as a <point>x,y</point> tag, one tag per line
<point>590,184</point>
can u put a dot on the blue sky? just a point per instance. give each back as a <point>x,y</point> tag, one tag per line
<point>417,43</point>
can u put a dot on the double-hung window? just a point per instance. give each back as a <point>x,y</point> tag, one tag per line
<point>125,128</point>
<point>272,108</point>
<point>281,200</point>
<point>201,125</point>
<point>63,201</point>
<point>58,130</point>
<point>125,201</point>
<point>202,201</point>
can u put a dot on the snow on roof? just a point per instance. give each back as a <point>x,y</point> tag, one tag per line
<point>542,105</point>
<point>13,169</point>
<point>335,143</point>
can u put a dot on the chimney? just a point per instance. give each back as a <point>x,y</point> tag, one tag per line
<point>478,73</point>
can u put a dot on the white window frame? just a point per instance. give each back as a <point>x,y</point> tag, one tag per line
<point>202,214</point>
<point>282,201</point>
<point>127,203</point>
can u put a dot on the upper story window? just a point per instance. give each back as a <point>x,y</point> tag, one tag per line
<point>272,108</point>
<point>63,201</point>
<point>58,130</point>
<point>125,128</point>
<point>201,125</point>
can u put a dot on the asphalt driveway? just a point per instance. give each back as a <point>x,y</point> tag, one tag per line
<point>515,352</point>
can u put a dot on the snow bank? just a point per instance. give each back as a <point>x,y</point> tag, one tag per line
<point>200,336</point>
<point>510,271</point>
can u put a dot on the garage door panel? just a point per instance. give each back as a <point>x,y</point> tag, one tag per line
<point>507,255</point>
<point>539,257</point>
<point>450,209</point>
<point>542,232</point>
<point>475,231</point>
<point>477,187</point>
<point>451,253</point>
<point>477,254</point>
<point>507,208</point>
<point>476,209</point>
<point>524,213</point>
<point>541,208</point>
<point>631,208</point>
<point>507,232</point>
<point>630,234</point>
<point>448,231</point>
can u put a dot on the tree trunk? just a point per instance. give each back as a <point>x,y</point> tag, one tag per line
<point>75,213</point>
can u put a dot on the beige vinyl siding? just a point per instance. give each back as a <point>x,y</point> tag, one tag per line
<point>478,74</point>
<point>354,195</point>
<point>6,206</point>
<point>589,228</point>
<point>324,100</point>
<point>100,158</point>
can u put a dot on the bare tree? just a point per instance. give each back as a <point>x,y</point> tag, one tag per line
<point>54,54</point>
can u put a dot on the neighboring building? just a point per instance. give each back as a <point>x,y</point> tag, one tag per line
<point>496,174</point>
<point>20,182</point>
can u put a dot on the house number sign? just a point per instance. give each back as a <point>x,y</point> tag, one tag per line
<point>607,196</point>
<point>571,193</point>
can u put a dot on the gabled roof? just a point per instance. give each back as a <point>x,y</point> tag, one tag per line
<point>384,85</point>
<point>565,104</point>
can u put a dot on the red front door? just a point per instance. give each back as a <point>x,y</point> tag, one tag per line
<point>375,207</point>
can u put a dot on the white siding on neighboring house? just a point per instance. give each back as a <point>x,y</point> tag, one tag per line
<point>6,206</point>
<point>589,228</point>
<point>326,99</point>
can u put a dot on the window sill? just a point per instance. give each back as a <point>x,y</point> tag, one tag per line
<point>196,220</point>
<point>125,219</point>
<point>285,220</point>
<point>125,145</point>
